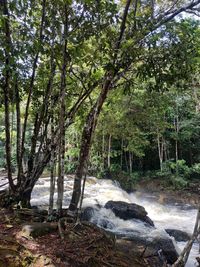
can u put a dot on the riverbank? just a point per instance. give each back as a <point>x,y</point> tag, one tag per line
<point>189,195</point>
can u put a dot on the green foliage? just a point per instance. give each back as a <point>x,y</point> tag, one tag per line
<point>195,171</point>
<point>158,74</point>
<point>180,168</point>
<point>178,182</point>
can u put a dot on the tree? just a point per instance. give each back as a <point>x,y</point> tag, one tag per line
<point>30,78</point>
<point>124,57</point>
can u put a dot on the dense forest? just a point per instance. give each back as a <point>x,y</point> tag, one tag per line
<point>135,66</point>
<point>98,87</point>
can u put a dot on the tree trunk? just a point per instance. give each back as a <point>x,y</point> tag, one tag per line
<point>122,145</point>
<point>126,161</point>
<point>52,164</point>
<point>160,144</point>
<point>6,91</point>
<point>109,150</point>
<point>103,150</point>
<point>130,162</point>
<point>87,134</point>
<point>61,167</point>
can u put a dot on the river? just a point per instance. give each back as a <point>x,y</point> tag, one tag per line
<point>99,191</point>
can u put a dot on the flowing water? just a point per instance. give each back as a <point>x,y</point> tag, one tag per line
<point>99,191</point>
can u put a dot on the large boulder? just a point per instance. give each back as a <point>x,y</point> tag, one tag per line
<point>128,211</point>
<point>157,250</point>
<point>90,214</point>
<point>178,235</point>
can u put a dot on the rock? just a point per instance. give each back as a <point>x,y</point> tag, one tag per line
<point>161,248</point>
<point>128,211</point>
<point>178,235</point>
<point>38,229</point>
<point>106,224</point>
<point>88,213</point>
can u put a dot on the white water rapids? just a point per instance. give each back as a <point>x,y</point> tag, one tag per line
<point>99,191</point>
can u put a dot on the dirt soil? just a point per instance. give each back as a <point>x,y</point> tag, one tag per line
<point>86,246</point>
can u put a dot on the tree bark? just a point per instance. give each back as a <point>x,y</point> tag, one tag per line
<point>61,156</point>
<point>109,150</point>
<point>87,134</point>
<point>160,144</point>
<point>92,118</point>
<point>32,81</point>
<point>130,162</point>
<point>121,160</point>
<point>52,166</point>
<point>6,91</point>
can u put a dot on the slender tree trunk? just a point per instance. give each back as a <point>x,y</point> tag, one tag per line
<point>31,86</point>
<point>126,161</point>
<point>52,166</point>
<point>176,127</point>
<point>6,91</point>
<point>166,153</point>
<point>88,131</point>
<point>109,150</point>
<point>122,145</point>
<point>92,118</point>
<point>130,162</point>
<point>61,167</point>
<point>160,144</point>
<point>103,150</point>
<point>18,121</point>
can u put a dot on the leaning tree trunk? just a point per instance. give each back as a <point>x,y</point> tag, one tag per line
<point>88,131</point>
<point>92,117</point>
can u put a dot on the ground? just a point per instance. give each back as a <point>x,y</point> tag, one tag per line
<point>166,195</point>
<point>86,246</point>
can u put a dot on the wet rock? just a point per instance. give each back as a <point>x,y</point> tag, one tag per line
<point>161,248</point>
<point>88,213</point>
<point>178,235</point>
<point>106,224</point>
<point>38,229</point>
<point>128,211</point>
